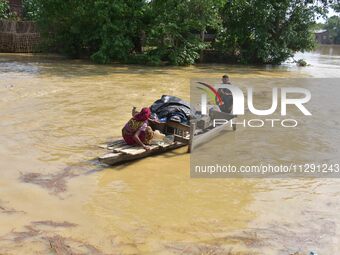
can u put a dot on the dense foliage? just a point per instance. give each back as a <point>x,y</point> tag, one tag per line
<point>102,29</point>
<point>30,9</point>
<point>4,10</point>
<point>108,30</point>
<point>333,26</point>
<point>177,26</point>
<point>172,31</point>
<point>266,31</point>
<point>336,7</point>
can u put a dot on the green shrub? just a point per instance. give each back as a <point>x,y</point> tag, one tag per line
<point>4,10</point>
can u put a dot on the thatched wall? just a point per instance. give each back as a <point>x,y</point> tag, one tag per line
<point>18,36</point>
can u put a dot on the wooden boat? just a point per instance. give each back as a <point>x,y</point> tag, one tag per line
<point>199,132</point>
<point>119,152</point>
<point>202,130</point>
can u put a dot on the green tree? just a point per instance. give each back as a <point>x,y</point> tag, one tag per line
<point>177,27</point>
<point>336,7</point>
<point>117,30</point>
<point>151,31</point>
<point>30,9</point>
<point>318,26</point>
<point>4,10</point>
<point>266,31</point>
<point>102,29</point>
<point>333,26</point>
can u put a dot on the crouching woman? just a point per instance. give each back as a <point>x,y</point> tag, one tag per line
<point>137,131</point>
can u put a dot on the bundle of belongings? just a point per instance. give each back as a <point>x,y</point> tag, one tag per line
<point>171,108</point>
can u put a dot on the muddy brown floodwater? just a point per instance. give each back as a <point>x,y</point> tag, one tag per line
<point>56,199</point>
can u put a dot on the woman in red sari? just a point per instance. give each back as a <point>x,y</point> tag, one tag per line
<point>136,130</point>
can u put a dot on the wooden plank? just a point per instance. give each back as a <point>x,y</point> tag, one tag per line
<point>234,126</point>
<point>192,132</point>
<point>137,150</point>
<point>116,144</point>
<point>123,147</point>
<point>165,145</point>
<point>110,156</point>
<point>117,158</point>
<point>113,144</point>
<point>133,151</point>
<point>181,139</point>
<point>103,146</point>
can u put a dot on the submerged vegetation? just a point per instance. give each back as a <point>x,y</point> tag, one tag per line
<point>175,31</point>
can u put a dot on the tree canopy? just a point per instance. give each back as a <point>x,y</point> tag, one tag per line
<point>336,7</point>
<point>172,31</point>
<point>4,10</point>
<point>176,28</point>
<point>266,31</point>
<point>333,26</point>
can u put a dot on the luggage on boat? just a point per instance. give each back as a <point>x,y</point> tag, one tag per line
<point>171,108</point>
<point>174,118</point>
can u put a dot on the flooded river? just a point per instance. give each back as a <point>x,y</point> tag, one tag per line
<point>56,199</point>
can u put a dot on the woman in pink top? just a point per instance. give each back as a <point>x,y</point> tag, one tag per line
<point>136,130</point>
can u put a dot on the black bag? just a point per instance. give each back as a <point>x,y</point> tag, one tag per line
<point>172,108</point>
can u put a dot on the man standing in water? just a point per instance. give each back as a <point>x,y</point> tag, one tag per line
<point>226,95</point>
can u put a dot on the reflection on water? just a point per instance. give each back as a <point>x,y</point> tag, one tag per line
<point>55,111</point>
